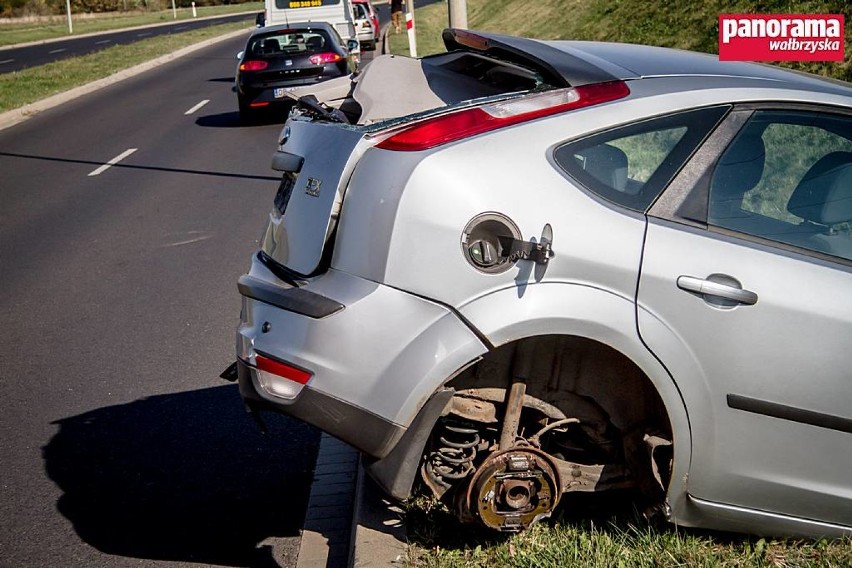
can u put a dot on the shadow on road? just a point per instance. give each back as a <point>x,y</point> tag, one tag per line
<point>183,477</point>
<point>232,119</point>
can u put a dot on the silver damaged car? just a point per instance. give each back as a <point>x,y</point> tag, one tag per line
<point>521,269</point>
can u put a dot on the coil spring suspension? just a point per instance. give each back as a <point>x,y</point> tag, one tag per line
<point>452,459</point>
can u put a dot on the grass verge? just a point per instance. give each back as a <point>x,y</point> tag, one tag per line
<point>30,85</point>
<point>57,26</point>
<point>622,540</point>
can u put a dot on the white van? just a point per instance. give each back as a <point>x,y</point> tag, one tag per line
<point>336,12</point>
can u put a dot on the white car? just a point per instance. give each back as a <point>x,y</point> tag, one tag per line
<point>526,268</point>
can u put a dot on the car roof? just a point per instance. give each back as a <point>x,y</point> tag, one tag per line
<point>596,62</point>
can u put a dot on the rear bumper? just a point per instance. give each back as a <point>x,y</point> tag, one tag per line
<point>355,426</point>
<point>375,354</point>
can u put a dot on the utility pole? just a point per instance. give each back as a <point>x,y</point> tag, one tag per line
<point>458,13</point>
<point>68,12</point>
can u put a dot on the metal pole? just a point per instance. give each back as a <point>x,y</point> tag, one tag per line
<point>68,11</point>
<point>174,10</point>
<point>457,13</point>
<point>412,33</point>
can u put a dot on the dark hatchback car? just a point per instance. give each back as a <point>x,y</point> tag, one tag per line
<point>288,55</point>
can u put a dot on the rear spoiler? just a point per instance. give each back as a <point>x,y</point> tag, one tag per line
<point>557,68</point>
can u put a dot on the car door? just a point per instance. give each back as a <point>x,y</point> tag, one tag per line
<point>745,295</point>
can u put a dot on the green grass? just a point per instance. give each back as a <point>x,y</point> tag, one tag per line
<point>623,540</point>
<point>428,22</point>
<point>30,85</point>
<point>57,26</point>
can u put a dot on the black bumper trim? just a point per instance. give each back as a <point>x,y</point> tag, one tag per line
<point>363,430</point>
<point>291,299</point>
<point>790,413</point>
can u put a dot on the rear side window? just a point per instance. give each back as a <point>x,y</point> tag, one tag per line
<point>632,164</point>
<point>787,177</point>
<point>289,43</point>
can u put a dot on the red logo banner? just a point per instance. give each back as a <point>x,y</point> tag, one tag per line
<point>781,37</point>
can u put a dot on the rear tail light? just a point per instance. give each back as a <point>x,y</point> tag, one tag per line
<point>469,122</point>
<point>323,58</point>
<point>280,379</point>
<point>254,65</point>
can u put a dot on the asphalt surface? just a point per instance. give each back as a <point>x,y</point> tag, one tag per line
<point>119,444</point>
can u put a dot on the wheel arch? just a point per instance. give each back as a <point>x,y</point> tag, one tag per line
<point>564,310</point>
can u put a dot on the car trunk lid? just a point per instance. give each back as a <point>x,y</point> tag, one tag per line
<point>316,160</point>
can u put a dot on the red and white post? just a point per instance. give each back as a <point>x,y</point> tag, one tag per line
<point>412,36</point>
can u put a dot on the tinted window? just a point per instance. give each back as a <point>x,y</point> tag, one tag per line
<point>291,42</point>
<point>632,164</point>
<point>787,176</point>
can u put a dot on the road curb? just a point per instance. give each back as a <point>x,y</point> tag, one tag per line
<point>349,521</point>
<point>378,527</point>
<point>15,116</point>
<point>326,534</point>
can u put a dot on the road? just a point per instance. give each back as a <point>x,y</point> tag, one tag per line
<point>119,444</point>
<point>16,58</point>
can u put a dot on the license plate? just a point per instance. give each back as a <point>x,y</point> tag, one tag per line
<point>278,93</point>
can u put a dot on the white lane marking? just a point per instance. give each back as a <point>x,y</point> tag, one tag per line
<point>6,61</point>
<point>143,35</point>
<point>56,51</point>
<point>198,106</point>
<point>112,162</point>
<point>190,241</point>
<point>180,28</point>
<point>103,42</point>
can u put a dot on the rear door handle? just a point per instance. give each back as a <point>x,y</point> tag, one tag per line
<point>718,286</point>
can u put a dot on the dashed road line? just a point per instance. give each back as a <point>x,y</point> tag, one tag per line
<point>5,61</point>
<point>144,34</point>
<point>198,106</point>
<point>103,42</point>
<point>56,51</point>
<point>112,162</point>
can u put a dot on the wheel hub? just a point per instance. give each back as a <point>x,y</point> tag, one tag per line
<point>513,489</point>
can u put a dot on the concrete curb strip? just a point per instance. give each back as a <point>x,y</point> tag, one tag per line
<point>349,522</point>
<point>378,528</point>
<point>13,117</point>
